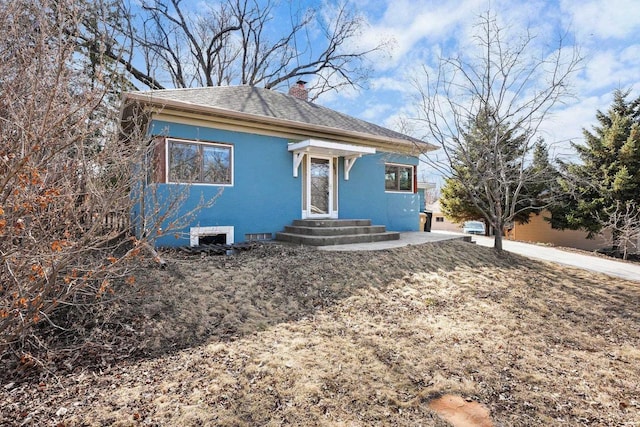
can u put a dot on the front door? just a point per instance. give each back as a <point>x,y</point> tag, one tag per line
<point>320,187</point>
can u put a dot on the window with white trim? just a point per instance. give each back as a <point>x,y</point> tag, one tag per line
<point>398,177</point>
<point>200,162</point>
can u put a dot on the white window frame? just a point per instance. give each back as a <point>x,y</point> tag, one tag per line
<point>205,143</point>
<point>400,165</point>
<point>196,232</point>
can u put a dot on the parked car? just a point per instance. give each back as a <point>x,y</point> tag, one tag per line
<point>473,227</point>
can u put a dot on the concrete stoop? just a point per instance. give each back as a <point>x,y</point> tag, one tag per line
<point>327,232</point>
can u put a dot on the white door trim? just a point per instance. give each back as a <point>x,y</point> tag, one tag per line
<point>332,210</point>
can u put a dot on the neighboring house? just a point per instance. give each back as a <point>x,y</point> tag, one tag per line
<point>277,158</point>
<point>439,222</point>
<point>538,230</point>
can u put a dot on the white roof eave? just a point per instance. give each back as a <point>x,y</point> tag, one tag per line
<point>330,148</point>
<point>319,147</point>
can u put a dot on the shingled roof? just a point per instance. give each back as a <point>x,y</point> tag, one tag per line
<point>259,104</point>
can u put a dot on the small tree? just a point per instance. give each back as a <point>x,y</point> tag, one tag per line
<point>66,177</point>
<point>602,191</point>
<point>507,89</point>
<point>459,206</point>
<point>69,177</point>
<point>623,225</point>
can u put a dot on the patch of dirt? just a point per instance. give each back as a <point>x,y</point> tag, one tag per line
<point>460,412</point>
<point>286,335</point>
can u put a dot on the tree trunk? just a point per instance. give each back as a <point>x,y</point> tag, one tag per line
<point>497,233</point>
<point>497,245</point>
<point>615,241</point>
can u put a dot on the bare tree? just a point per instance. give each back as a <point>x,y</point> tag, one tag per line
<point>53,203</point>
<point>66,176</point>
<point>250,42</point>
<point>431,195</point>
<point>484,110</point>
<point>622,225</point>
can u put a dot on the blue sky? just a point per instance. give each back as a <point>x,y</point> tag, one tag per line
<point>607,33</point>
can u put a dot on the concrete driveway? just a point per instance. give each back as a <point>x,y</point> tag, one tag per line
<point>624,270</point>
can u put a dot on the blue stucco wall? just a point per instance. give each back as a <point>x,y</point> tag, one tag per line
<point>364,195</point>
<point>265,196</point>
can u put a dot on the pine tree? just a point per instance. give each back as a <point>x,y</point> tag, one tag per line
<point>537,192</point>
<point>607,178</point>
<point>489,172</point>
<point>456,203</point>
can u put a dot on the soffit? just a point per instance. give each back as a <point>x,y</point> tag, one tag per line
<point>329,148</point>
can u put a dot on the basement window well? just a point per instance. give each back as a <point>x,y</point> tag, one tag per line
<point>216,239</point>
<point>221,235</point>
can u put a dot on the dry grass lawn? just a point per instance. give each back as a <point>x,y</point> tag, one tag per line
<point>284,335</point>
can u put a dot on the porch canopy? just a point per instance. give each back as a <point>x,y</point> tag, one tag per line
<point>318,147</point>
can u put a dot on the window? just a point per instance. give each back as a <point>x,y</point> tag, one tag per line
<point>198,162</point>
<point>439,219</point>
<point>398,178</point>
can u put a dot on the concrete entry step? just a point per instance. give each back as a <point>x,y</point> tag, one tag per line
<point>328,232</point>
<point>337,240</point>
<point>334,231</point>
<point>332,222</point>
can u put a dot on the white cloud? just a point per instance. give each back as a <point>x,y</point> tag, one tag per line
<point>603,19</point>
<point>373,112</point>
<point>606,70</point>
<point>631,55</point>
<point>566,123</point>
<point>605,30</point>
<point>420,25</point>
<point>397,83</point>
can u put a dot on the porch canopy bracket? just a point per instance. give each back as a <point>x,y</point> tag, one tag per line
<point>297,159</point>
<point>348,164</point>
<point>328,149</point>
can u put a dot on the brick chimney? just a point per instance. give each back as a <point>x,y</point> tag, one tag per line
<point>299,91</point>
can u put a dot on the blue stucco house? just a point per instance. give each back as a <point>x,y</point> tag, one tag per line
<point>267,159</point>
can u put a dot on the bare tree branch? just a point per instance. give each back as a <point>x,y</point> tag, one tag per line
<point>68,182</point>
<point>485,112</point>
<point>234,42</point>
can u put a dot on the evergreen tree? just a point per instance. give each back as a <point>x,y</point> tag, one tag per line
<point>489,175</point>
<point>607,178</point>
<point>456,203</point>
<point>536,193</point>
